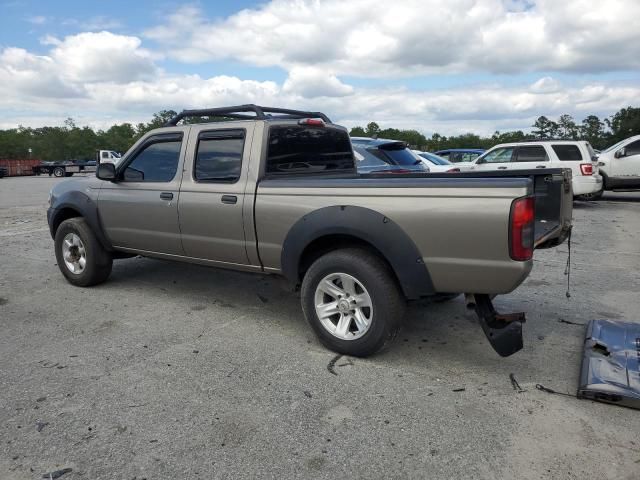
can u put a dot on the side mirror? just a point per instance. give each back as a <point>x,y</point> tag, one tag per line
<point>620,153</point>
<point>106,171</point>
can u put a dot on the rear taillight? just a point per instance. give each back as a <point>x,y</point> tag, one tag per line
<point>312,122</point>
<point>453,170</point>
<point>522,220</point>
<point>586,168</point>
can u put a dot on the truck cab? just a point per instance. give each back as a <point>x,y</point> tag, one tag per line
<point>108,156</point>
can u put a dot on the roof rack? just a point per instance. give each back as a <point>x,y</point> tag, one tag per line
<point>261,113</point>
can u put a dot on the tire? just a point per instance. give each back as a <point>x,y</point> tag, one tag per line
<point>76,238</point>
<point>58,172</point>
<point>373,279</point>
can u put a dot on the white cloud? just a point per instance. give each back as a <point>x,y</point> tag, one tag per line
<point>102,56</point>
<point>311,82</point>
<point>414,36</point>
<point>102,76</point>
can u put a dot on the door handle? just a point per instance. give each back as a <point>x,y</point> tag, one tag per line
<point>502,168</point>
<point>166,196</point>
<point>540,166</point>
<point>229,199</point>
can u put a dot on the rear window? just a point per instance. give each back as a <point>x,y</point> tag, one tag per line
<point>300,149</point>
<point>531,154</point>
<point>568,153</point>
<point>395,155</point>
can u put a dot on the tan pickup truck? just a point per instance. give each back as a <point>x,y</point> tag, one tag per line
<point>275,191</point>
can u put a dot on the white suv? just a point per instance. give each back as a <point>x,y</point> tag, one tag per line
<point>576,155</point>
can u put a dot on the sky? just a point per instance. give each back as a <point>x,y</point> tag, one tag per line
<point>450,67</point>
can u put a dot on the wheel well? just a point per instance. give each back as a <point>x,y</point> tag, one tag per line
<point>328,243</point>
<point>62,215</point>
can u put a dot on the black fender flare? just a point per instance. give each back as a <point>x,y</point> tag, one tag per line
<point>368,226</point>
<point>87,209</point>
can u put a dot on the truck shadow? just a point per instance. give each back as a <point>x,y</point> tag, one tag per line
<point>443,330</point>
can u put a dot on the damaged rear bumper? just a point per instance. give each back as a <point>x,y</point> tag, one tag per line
<point>504,331</point>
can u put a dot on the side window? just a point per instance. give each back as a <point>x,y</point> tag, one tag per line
<point>632,149</point>
<point>567,153</point>
<point>445,155</point>
<point>299,149</point>
<point>156,162</point>
<point>105,154</point>
<point>535,153</point>
<point>219,156</point>
<point>455,157</point>
<point>468,156</point>
<point>499,155</point>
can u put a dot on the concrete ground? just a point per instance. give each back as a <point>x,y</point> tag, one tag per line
<point>178,371</point>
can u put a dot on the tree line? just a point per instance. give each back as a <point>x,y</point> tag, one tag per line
<point>71,142</point>
<point>599,133</point>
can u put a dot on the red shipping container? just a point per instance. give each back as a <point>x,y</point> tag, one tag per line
<point>19,166</point>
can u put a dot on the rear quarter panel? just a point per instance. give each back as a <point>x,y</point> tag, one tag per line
<point>459,226</point>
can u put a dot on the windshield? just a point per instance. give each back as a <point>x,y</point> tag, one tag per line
<point>613,147</point>
<point>433,158</point>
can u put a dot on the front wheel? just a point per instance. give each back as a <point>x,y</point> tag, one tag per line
<point>58,172</point>
<point>81,258</point>
<point>352,301</point>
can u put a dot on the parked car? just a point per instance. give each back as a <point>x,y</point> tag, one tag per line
<point>385,156</point>
<point>619,165</point>
<point>438,164</point>
<point>277,192</point>
<point>460,155</point>
<point>576,155</point>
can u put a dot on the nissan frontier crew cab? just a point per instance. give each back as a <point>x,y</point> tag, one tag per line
<point>275,191</point>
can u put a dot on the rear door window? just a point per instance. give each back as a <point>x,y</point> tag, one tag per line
<point>568,153</point>
<point>534,153</point>
<point>219,156</point>
<point>301,149</point>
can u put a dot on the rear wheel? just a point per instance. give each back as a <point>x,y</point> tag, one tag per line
<point>352,301</point>
<point>81,258</point>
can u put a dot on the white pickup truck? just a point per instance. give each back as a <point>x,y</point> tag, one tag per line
<point>619,165</point>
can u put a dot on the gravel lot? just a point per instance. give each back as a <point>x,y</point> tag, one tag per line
<point>179,371</point>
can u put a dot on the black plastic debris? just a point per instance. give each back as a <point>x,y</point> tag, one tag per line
<point>611,363</point>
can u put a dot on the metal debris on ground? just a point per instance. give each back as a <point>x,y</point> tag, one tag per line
<point>514,383</point>
<point>610,370</point>
<point>56,474</point>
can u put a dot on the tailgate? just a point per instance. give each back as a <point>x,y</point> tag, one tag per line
<point>554,207</point>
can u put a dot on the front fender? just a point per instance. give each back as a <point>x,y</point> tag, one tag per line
<point>368,226</point>
<point>85,206</point>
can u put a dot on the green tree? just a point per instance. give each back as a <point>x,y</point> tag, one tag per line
<point>357,132</point>
<point>567,127</point>
<point>592,130</point>
<point>545,128</point>
<point>372,129</point>
<point>624,123</point>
